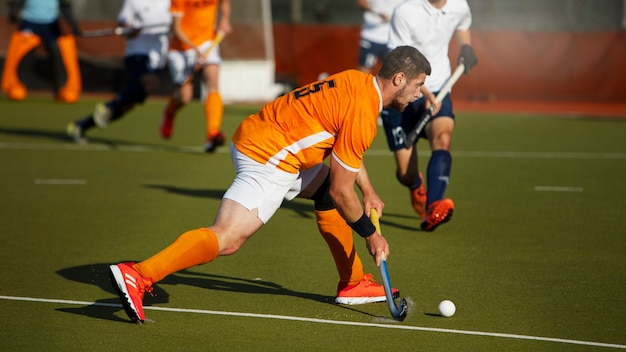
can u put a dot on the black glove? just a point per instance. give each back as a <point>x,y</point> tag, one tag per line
<point>468,57</point>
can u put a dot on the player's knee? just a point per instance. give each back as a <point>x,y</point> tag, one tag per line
<point>133,93</point>
<point>184,94</point>
<point>229,245</point>
<point>441,140</point>
<point>229,250</point>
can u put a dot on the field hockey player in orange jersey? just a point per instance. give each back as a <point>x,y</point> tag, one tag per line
<point>278,154</point>
<point>196,23</point>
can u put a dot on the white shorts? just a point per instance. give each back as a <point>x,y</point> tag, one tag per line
<point>264,186</point>
<point>181,64</point>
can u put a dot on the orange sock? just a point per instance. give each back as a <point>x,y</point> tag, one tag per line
<point>20,44</point>
<point>338,236</point>
<point>70,92</point>
<point>192,248</point>
<point>214,112</point>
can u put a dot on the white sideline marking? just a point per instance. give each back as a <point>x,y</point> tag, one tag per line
<point>95,147</point>
<point>536,155</point>
<point>514,155</point>
<point>558,189</point>
<point>372,152</point>
<point>326,321</point>
<point>59,181</point>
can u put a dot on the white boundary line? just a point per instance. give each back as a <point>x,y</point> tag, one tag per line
<point>96,147</point>
<point>394,325</point>
<point>558,189</point>
<point>372,152</point>
<point>60,181</point>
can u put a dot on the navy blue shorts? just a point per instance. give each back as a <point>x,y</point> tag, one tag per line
<point>136,67</point>
<point>370,53</point>
<point>48,32</point>
<point>397,124</point>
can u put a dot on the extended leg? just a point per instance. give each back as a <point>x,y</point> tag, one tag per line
<point>439,209</point>
<point>213,109</point>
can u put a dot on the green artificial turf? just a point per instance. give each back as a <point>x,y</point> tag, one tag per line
<point>534,257</point>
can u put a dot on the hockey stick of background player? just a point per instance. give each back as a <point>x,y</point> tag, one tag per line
<point>119,30</point>
<point>216,41</point>
<point>410,138</point>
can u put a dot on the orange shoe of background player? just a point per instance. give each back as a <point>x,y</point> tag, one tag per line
<point>438,213</point>
<point>418,198</point>
<point>366,291</point>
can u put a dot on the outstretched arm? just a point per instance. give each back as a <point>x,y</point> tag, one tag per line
<point>178,32</point>
<point>365,6</point>
<point>349,206</point>
<point>431,100</point>
<point>224,23</point>
<point>371,200</point>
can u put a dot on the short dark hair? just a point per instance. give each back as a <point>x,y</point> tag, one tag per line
<point>405,59</point>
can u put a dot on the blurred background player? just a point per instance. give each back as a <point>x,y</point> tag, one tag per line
<point>38,23</point>
<point>279,154</point>
<point>374,32</point>
<point>146,53</point>
<point>429,25</point>
<point>195,25</point>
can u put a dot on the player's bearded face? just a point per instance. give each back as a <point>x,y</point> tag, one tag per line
<point>401,100</point>
<point>408,93</point>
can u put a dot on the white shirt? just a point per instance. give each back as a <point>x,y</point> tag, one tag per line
<point>417,23</point>
<point>155,19</point>
<point>374,28</point>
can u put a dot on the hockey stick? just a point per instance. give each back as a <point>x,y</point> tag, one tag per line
<point>216,41</point>
<point>397,312</point>
<point>106,32</point>
<point>119,30</point>
<point>412,136</point>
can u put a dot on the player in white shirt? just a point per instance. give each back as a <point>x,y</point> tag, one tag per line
<point>429,26</point>
<point>374,31</point>
<point>145,54</point>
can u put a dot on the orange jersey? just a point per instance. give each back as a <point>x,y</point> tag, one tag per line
<point>198,20</point>
<point>299,130</point>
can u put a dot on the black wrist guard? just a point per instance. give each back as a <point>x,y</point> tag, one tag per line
<point>364,226</point>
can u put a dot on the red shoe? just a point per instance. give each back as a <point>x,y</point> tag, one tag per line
<point>439,213</point>
<point>214,142</point>
<point>418,198</point>
<point>130,286</point>
<point>366,291</point>
<point>167,124</point>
